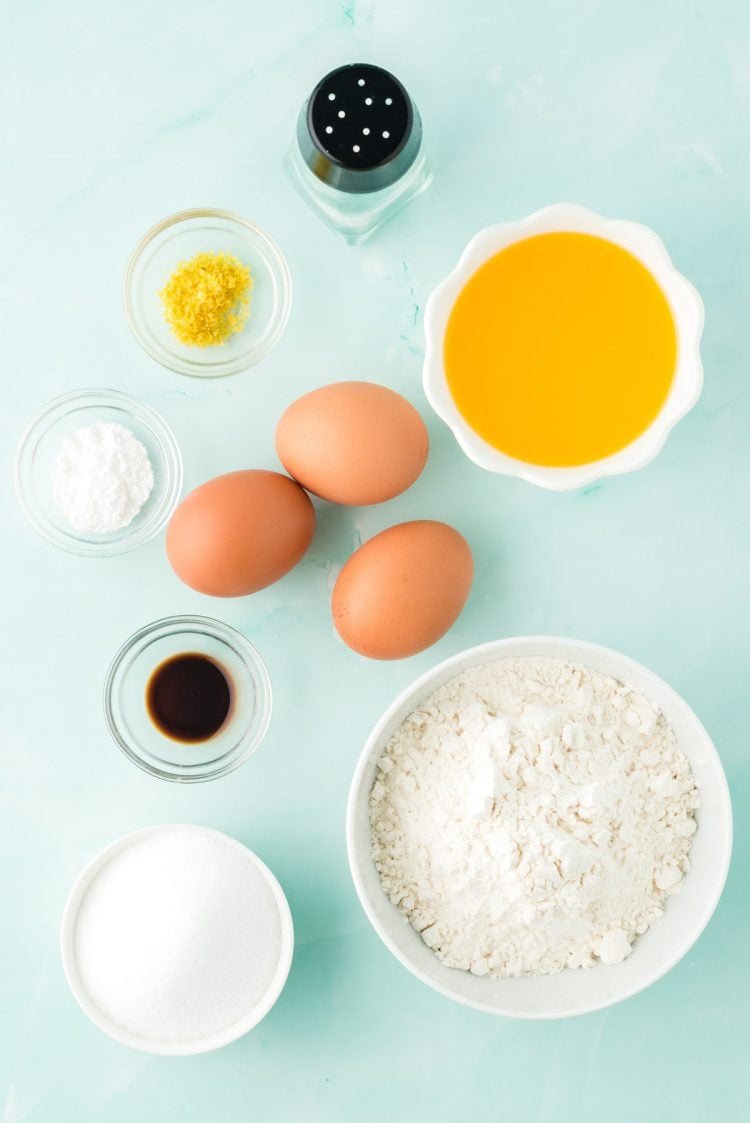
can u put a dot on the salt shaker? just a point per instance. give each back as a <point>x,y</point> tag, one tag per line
<point>358,157</point>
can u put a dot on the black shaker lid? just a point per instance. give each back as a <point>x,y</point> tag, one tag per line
<point>360,130</point>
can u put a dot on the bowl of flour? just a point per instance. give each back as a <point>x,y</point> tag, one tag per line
<point>539,827</point>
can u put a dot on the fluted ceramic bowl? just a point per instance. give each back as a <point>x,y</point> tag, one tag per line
<point>687,311</point>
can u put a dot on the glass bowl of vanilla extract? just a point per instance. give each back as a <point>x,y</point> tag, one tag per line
<point>187,699</point>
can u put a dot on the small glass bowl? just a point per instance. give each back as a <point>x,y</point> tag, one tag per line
<point>125,699</point>
<point>39,446</point>
<point>179,238</point>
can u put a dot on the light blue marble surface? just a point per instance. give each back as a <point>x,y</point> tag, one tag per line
<point>114,115</point>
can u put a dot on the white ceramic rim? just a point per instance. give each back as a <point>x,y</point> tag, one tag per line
<point>684,302</point>
<point>142,1044</point>
<point>103,397</point>
<point>194,368</point>
<point>419,689</point>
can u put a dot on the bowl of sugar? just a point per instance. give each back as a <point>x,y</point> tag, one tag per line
<point>539,827</point>
<point>176,940</point>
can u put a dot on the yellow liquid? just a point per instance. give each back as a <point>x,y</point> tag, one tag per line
<point>560,350</point>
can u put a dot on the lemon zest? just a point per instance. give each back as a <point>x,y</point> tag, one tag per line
<point>207,299</point>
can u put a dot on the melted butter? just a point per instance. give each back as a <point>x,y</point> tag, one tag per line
<point>561,349</point>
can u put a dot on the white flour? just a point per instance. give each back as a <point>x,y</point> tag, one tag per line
<point>103,476</point>
<point>530,816</point>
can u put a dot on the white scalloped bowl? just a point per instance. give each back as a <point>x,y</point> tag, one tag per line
<point>684,302</point>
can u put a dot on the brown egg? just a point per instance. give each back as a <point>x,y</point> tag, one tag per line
<point>240,532</point>
<point>353,442</point>
<point>402,590</point>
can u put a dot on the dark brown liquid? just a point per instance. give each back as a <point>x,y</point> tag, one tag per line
<point>188,697</point>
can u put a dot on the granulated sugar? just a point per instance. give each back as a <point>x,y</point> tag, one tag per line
<point>532,815</point>
<point>178,937</point>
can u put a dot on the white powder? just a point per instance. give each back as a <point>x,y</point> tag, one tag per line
<point>178,936</point>
<point>103,476</point>
<point>530,816</point>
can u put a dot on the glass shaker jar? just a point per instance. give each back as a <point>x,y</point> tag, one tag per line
<point>358,157</point>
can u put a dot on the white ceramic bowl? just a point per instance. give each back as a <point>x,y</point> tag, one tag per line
<point>171,1049</point>
<point>684,302</point>
<point>571,992</point>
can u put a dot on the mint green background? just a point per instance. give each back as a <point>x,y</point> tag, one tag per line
<point>116,114</point>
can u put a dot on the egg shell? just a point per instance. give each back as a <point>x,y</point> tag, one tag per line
<point>354,443</point>
<point>402,590</point>
<point>238,533</point>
